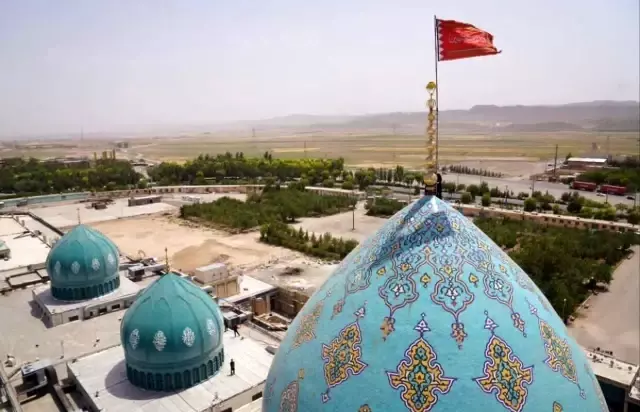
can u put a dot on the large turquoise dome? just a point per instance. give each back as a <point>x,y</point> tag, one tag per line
<point>172,336</point>
<point>429,315</point>
<point>83,264</point>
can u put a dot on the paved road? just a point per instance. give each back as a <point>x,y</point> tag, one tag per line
<point>517,185</point>
<point>612,321</point>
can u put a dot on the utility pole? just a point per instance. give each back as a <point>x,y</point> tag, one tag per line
<point>506,195</point>
<point>555,162</point>
<point>533,184</point>
<point>305,149</point>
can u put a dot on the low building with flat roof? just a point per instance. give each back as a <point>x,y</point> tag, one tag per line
<point>255,406</point>
<point>55,312</point>
<point>585,162</point>
<point>101,379</point>
<point>618,380</point>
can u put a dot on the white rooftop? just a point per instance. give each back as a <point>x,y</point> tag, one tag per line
<point>587,159</point>
<point>42,293</point>
<point>25,250</point>
<point>255,406</point>
<point>217,265</point>
<point>8,226</point>
<point>250,287</point>
<point>105,373</point>
<point>614,370</point>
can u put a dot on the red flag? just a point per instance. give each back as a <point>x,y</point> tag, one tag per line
<point>458,40</point>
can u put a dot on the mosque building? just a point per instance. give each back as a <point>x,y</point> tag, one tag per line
<point>174,355</point>
<point>429,314</point>
<point>84,273</point>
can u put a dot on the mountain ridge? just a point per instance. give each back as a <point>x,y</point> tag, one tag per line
<point>597,115</point>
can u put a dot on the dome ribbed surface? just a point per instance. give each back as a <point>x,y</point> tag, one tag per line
<point>172,335</point>
<point>83,264</point>
<point>429,314</point>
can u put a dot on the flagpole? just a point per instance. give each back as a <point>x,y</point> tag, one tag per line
<point>437,57</point>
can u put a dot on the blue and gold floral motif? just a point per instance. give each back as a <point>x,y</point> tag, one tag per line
<point>419,376</point>
<point>343,355</point>
<point>504,373</point>
<point>306,330</point>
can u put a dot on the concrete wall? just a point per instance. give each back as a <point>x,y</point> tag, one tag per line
<point>88,311</point>
<point>239,400</point>
<point>158,190</point>
<point>227,287</point>
<point>289,302</point>
<point>546,219</point>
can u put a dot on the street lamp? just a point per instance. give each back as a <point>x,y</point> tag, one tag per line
<point>353,212</point>
<point>564,306</point>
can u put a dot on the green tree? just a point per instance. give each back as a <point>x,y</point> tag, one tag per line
<point>486,199</point>
<point>530,205</point>
<point>574,207</point>
<point>466,198</point>
<point>633,218</point>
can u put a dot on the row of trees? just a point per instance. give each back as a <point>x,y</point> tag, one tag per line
<point>34,177</point>
<point>383,207</point>
<point>273,205</point>
<point>565,263</point>
<point>206,168</point>
<point>466,170</point>
<point>325,247</point>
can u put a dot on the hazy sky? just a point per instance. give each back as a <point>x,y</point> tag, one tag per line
<point>109,65</point>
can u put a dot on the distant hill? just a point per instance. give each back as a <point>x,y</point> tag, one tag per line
<point>600,115</point>
<point>597,115</point>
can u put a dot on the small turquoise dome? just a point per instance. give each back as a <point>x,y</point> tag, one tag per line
<point>83,264</point>
<point>430,315</point>
<point>172,336</point>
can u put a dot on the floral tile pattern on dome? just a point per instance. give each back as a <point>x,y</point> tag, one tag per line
<point>419,376</point>
<point>289,396</point>
<point>306,330</point>
<point>427,259</point>
<point>504,373</point>
<point>559,357</point>
<point>343,355</point>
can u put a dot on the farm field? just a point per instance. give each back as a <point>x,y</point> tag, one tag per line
<point>508,153</point>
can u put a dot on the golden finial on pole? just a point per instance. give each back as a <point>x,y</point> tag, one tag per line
<point>166,260</point>
<point>430,178</point>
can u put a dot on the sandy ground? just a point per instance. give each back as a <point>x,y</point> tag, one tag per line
<point>189,246</point>
<point>342,224</point>
<point>612,320</point>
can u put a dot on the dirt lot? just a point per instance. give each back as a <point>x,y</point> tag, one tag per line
<point>189,246</point>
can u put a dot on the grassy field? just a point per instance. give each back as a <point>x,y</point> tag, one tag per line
<point>400,149</point>
<point>368,149</point>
